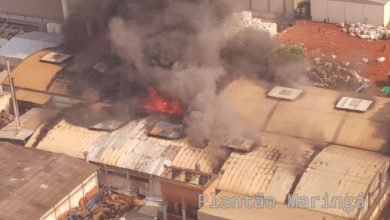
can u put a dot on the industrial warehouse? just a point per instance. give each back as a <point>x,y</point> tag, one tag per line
<point>209,110</point>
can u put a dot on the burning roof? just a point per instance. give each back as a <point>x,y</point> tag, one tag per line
<point>156,102</point>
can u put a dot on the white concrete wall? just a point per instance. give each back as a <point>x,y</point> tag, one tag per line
<point>336,11</point>
<point>260,5</point>
<point>5,101</point>
<point>242,5</point>
<point>290,8</point>
<point>354,12</point>
<point>374,14</point>
<point>72,199</point>
<point>340,11</point>
<point>387,14</point>
<point>319,10</point>
<point>277,6</point>
<point>34,8</point>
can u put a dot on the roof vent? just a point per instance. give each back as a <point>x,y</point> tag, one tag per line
<point>239,144</point>
<point>285,93</point>
<point>55,57</point>
<point>197,167</point>
<point>353,104</point>
<point>167,130</point>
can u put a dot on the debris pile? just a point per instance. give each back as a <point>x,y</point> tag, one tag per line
<point>329,73</point>
<point>245,19</point>
<point>5,118</point>
<point>103,204</point>
<point>368,31</point>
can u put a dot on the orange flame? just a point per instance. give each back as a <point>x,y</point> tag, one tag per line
<point>158,103</point>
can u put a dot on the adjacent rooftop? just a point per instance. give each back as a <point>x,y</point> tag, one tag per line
<point>32,181</point>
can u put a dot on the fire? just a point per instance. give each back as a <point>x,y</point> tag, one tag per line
<point>155,102</point>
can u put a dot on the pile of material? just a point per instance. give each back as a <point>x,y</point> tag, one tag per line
<point>368,31</point>
<point>5,118</point>
<point>245,19</point>
<point>328,73</point>
<point>106,204</point>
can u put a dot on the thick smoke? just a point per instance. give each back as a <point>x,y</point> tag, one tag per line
<point>180,48</point>
<point>176,48</point>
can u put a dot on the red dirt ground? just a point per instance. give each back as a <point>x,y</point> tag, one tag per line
<point>327,39</point>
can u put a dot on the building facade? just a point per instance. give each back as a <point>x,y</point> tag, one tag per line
<point>376,12</point>
<point>36,11</point>
<point>181,191</point>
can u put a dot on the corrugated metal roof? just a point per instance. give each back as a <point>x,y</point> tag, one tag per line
<point>209,159</point>
<point>68,139</point>
<point>270,169</point>
<point>130,147</point>
<point>340,171</point>
<point>30,122</point>
<point>25,171</point>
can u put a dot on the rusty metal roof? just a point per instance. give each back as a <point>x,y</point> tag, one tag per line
<point>32,181</point>
<point>130,147</point>
<point>209,159</point>
<point>270,169</point>
<point>340,171</point>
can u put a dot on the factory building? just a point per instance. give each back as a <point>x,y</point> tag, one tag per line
<point>332,174</point>
<point>376,12</point>
<point>285,7</point>
<point>41,185</point>
<point>35,11</point>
